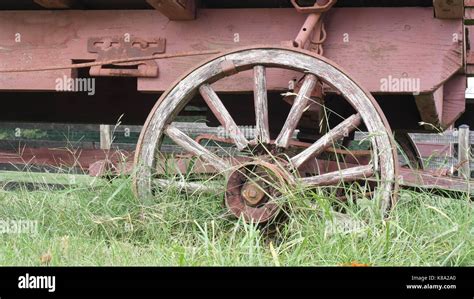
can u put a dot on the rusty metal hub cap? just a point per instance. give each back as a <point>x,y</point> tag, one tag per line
<point>254,189</point>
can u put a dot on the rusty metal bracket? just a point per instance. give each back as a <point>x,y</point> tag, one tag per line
<point>228,67</point>
<point>319,6</point>
<point>110,48</point>
<point>313,26</point>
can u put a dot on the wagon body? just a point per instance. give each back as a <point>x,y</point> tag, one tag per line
<point>412,56</point>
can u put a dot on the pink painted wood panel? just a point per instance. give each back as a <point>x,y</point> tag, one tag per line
<point>454,103</point>
<point>383,42</point>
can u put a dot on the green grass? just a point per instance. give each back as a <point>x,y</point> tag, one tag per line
<point>102,223</point>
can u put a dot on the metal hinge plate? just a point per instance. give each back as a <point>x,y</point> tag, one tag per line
<point>110,48</point>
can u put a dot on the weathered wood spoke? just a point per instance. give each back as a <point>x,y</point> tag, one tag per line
<point>224,117</point>
<point>262,131</point>
<point>196,149</point>
<point>341,130</point>
<point>343,175</point>
<point>207,187</point>
<point>297,110</point>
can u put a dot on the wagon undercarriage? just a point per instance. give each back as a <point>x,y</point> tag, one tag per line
<point>289,89</point>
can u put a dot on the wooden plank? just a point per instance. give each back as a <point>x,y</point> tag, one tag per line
<point>386,41</point>
<point>105,137</point>
<point>430,107</point>
<point>57,4</point>
<point>449,9</point>
<point>426,180</point>
<point>469,16</point>
<point>468,3</point>
<point>464,152</point>
<point>469,50</point>
<point>448,137</point>
<point>175,10</point>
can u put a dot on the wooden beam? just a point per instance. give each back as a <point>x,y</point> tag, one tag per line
<point>449,9</point>
<point>454,101</point>
<point>464,152</point>
<point>468,3</point>
<point>57,4</point>
<point>430,107</point>
<point>175,10</point>
<point>469,52</point>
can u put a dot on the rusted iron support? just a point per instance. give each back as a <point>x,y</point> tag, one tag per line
<point>306,30</point>
<point>112,61</point>
<point>313,24</point>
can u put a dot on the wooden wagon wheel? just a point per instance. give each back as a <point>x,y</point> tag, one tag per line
<point>250,181</point>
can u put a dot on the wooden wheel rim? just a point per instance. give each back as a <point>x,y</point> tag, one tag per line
<point>175,99</point>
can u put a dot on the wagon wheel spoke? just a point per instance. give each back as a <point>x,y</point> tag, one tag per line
<point>223,116</point>
<point>341,130</point>
<point>196,149</point>
<point>262,131</point>
<point>202,186</point>
<point>297,110</point>
<point>344,175</point>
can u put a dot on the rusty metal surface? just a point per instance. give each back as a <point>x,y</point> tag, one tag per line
<point>319,6</point>
<point>254,188</point>
<point>109,48</point>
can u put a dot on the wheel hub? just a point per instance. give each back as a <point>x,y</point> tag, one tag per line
<point>252,191</point>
